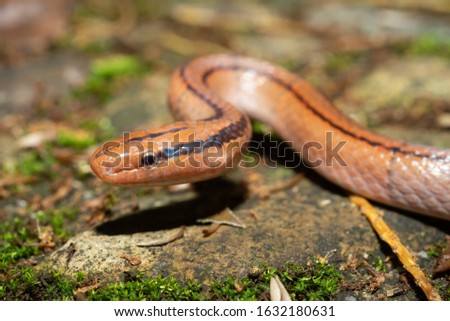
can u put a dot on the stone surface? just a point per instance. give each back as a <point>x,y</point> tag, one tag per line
<point>401,88</point>
<point>375,23</point>
<point>313,218</point>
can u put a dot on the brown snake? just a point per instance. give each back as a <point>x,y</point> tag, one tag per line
<point>211,97</point>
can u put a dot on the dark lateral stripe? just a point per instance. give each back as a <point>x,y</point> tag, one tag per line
<point>139,139</point>
<point>213,105</point>
<point>223,136</point>
<point>299,97</point>
<point>154,135</point>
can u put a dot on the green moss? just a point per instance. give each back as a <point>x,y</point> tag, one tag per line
<point>237,289</point>
<point>316,281</point>
<point>57,219</point>
<point>379,265</point>
<point>114,66</point>
<point>33,163</point>
<point>425,46</point>
<point>260,127</point>
<point>28,284</point>
<point>102,129</point>
<point>19,236</point>
<point>76,141</point>
<point>433,252</point>
<point>336,62</point>
<point>106,72</point>
<point>41,163</point>
<point>18,240</point>
<point>290,64</point>
<point>144,288</point>
<point>59,287</point>
<point>436,250</point>
<point>25,279</point>
<point>15,242</point>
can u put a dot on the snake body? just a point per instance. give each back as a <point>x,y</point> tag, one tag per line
<point>212,98</point>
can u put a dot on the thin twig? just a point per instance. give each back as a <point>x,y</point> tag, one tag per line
<point>387,235</point>
<point>86,288</point>
<point>178,235</point>
<point>210,230</point>
<point>238,222</point>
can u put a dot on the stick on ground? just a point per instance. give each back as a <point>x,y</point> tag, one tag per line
<point>387,235</point>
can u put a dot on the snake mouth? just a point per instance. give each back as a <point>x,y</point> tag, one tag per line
<point>95,164</point>
<point>105,166</point>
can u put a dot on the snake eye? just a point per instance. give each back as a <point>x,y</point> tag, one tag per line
<point>149,160</point>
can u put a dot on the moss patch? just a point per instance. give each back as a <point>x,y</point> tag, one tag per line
<point>32,163</point>
<point>315,281</point>
<point>15,242</point>
<point>19,238</point>
<point>427,45</point>
<point>106,73</point>
<point>336,62</point>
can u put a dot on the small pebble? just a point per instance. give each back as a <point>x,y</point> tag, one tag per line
<point>324,203</point>
<point>423,254</point>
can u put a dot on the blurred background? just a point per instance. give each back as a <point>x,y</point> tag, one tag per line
<point>62,46</point>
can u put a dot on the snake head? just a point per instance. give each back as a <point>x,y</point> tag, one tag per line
<point>172,154</point>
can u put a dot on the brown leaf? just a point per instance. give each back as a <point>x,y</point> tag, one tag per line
<point>36,139</point>
<point>238,287</point>
<point>86,288</point>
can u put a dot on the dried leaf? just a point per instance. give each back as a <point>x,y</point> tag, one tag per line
<point>133,260</point>
<point>86,288</point>
<point>277,290</point>
<point>36,139</point>
<point>238,287</point>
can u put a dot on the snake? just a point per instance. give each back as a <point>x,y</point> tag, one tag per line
<point>213,98</point>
